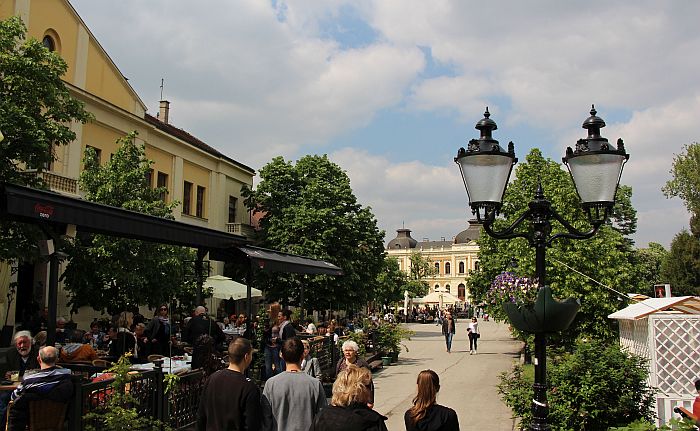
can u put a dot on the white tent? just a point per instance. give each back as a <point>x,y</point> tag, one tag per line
<point>438,298</point>
<point>225,288</point>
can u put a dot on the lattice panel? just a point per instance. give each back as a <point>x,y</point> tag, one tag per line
<point>677,351</point>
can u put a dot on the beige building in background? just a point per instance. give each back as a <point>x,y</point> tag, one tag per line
<point>206,182</point>
<point>452,259</point>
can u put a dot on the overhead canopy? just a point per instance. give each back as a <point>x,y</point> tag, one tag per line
<point>225,288</point>
<point>682,304</point>
<point>277,261</point>
<point>438,298</point>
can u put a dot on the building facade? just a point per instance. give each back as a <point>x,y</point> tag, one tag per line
<point>452,259</point>
<point>206,183</point>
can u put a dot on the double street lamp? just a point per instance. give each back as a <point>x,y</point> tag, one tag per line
<point>595,167</point>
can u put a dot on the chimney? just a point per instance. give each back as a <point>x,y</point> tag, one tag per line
<point>164,111</point>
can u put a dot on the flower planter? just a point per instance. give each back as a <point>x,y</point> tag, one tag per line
<point>386,360</point>
<point>546,315</point>
<point>394,357</point>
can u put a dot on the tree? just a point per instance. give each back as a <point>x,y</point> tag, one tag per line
<point>647,263</point>
<point>421,268</point>
<point>117,274</point>
<point>605,258</point>
<point>36,112</point>
<point>308,208</point>
<point>391,283</point>
<point>685,183</point>
<point>682,267</point>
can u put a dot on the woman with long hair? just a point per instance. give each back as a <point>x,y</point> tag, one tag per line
<point>349,410</point>
<point>426,414</point>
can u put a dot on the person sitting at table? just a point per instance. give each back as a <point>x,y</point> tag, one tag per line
<point>205,355</point>
<point>50,383</point>
<point>201,324</point>
<point>121,341</point>
<point>95,336</point>
<point>23,357</point>
<point>76,351</point>
<point>143,347</point>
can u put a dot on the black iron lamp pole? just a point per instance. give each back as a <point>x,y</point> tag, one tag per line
<point>595,168</point>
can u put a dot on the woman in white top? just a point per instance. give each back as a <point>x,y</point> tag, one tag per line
<point>473,331</point>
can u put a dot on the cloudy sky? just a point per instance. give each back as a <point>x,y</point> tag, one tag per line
<point>391,89</point>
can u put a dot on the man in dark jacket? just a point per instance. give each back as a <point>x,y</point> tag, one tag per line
<point>201,324</point>
<point>23,357</point>
<point>49,383</point>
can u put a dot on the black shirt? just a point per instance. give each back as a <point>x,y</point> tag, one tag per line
<point>229,401</point>
<point>438,418</point>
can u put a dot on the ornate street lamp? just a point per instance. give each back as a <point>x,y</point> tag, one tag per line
<point>595,169</point>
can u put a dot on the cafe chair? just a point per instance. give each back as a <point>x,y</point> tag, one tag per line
<point>102,363</point>
<point>44,415</point>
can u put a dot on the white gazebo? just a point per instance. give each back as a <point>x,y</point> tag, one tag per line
<point>665,331</point>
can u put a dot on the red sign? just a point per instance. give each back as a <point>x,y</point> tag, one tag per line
<point>43,210</point>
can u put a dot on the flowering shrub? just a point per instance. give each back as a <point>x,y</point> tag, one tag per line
<point>507,287</point>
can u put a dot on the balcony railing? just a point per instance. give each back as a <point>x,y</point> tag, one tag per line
<point>55,182</point>
<point>240,229</point>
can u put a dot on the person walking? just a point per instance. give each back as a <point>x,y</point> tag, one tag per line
<point>291,399</point>
<point>229,400</point>
<point>474,335</point>
<point>426,414</point>
<point>349,410</point>
<point>448,330</point>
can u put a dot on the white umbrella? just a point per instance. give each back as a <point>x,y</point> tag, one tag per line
<point>438,298</point>
<point>225,288</point>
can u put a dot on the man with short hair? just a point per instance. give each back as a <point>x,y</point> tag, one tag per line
<point>286,330</point>
<point>22,357</point>
<point>291,399</point>
<point>201,324</point>
<point>49,383</point>
<point>229,400</point>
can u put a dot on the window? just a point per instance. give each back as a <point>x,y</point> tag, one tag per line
<point>162,181</point>
<point>476,266</point>
<point>148,178</point>
<point>447,288</point>
<point>437,267</point>
<point>49,43</point>
<point>461,292</point>
<point>186,198</point>
<point>461,267</point>
<point>199,212</point>
<point>98,154</point>
<point>232,204</point>
<point>437,287</point>
<point>447,267</point>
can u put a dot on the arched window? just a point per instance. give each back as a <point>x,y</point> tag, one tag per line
<point>49,43</point>
<point>476,266</point>
<point>447,288</point>
<point>447,267</point>
<point>437,267</point>
<point>461,292</point>
<point>461,267</point>
<point>437,287</point>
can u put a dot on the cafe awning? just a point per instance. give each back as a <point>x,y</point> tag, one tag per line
<point>226,288</point>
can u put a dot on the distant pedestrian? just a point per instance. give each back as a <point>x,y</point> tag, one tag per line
<point>474,335</point>
<point>349,410</point>
<point>448,330</point>
<point>229,400</point>
<point>291,399</point>
<point>426,414</point>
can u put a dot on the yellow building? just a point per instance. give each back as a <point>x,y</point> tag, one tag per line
<point>206,182</point>
<point>452,259</point>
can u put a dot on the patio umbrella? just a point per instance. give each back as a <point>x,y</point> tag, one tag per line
<point>225,288</point>
<point>438,298</point>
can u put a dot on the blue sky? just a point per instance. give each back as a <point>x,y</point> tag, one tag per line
<point>391,89</point>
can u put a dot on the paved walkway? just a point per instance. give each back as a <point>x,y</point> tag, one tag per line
<point>468,383</point>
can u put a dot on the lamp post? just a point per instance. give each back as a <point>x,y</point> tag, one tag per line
<point>595,168</point>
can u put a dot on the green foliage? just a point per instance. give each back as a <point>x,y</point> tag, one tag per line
<point>390,336</point>
<point>682,267</point>
<point>121,411</point>
<point>309,209</point>
<point>593,388</point>
<point>647,264</point>
<point>36,111</point>
<point>117,274</point>
<point>421,268</point>
<point>606,257</point>
<point>645,425</point>
<point>391,283</point>
<point>685,183</point>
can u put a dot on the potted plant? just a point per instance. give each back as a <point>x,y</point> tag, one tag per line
<point>390,337</point>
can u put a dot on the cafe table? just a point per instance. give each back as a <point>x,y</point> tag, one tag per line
<point>169,365</point>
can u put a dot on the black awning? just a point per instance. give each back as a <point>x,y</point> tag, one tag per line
<point>277,261</point>
<point>40,206</point>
